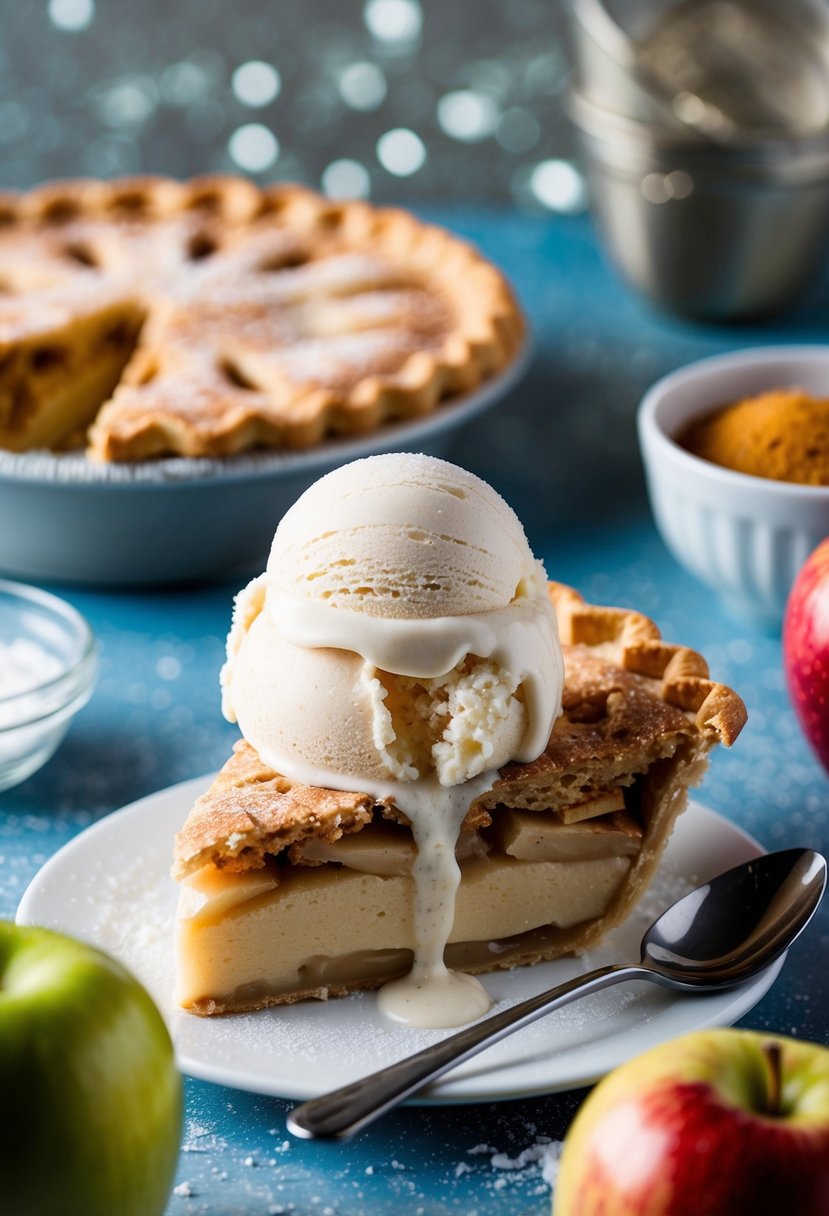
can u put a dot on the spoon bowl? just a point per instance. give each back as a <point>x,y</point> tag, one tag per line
<point>717,936</point>
<point>724,932</point>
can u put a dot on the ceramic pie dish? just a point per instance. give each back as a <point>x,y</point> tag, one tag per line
<point>181,519</point>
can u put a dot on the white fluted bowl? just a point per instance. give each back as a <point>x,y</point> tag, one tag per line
<point>746,537</point>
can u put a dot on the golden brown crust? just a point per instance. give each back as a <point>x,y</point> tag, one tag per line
<point>251,811</point>
<point>213,1006</point>
<point>274,317</point>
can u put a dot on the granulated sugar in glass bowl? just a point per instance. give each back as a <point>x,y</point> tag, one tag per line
<point>47,673</point>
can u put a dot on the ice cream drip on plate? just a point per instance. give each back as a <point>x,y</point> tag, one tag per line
<point>401,643</point>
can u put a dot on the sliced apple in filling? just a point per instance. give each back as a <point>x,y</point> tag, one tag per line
<point>59,365</point>
<point>534,837</point>
<point>592,808</point>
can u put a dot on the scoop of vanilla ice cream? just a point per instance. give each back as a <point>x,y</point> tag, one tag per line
<point>327,717</point>
<point>402,535</point>
<point>402,631</point>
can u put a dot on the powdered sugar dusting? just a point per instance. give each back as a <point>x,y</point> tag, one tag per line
<point>518,1177</point>
<point>337,362</point>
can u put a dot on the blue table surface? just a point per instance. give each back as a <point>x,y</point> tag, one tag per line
<point>562,450</point>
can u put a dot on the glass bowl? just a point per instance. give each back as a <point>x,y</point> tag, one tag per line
<point>47,673</point>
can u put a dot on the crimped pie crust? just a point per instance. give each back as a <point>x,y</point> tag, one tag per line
<point>270,317</point>
<point>631,702</point>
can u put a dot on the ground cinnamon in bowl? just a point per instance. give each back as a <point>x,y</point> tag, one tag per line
<point>782,434</point>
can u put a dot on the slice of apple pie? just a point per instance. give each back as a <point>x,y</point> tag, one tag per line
<point>291,891</point>
<point>149,317</point>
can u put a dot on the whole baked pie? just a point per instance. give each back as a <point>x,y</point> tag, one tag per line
<point>291,891</point>
<point>148,317</point>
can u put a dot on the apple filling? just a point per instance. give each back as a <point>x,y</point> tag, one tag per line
<point>330,916</point>
<point>53,381</point>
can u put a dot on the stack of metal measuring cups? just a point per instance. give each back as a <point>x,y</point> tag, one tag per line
<point>704,127</point>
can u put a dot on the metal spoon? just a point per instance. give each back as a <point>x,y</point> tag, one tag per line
<point>717,936</point>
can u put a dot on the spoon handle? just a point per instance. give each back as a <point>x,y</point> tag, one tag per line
<point>342,1113</point>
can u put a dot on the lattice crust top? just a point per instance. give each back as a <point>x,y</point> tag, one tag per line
<point>269,316</point>
<point>630,700</point>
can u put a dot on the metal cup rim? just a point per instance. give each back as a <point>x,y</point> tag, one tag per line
<point>594,18</point>
<point>787,158</point>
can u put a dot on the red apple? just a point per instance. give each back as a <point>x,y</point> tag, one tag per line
<point>716,1123</point>
<point>806,649</point>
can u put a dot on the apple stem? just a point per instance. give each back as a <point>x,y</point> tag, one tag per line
<point>773,1053</point>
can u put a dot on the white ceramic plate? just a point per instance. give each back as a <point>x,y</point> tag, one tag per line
<point>177,519</point>
<point>111,886</point>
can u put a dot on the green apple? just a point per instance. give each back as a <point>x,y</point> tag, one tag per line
<point>91,1097</point>
<point>716,1123</point>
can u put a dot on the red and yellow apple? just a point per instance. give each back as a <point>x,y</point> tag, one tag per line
<point>91,1097</point>
<point>715,1123</point>
<point>806,649</point>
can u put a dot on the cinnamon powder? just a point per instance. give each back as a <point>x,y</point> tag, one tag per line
<point>782,434</point>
